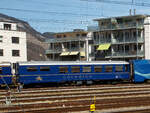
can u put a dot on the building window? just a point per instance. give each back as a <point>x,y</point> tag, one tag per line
<point>15,40</point>
<point>15,53</point>
<point>58,36</point>
<point>7,26</point>
<point>84,35</point>
<point>1,38</point>
<point>1,52</point>
<point>77,35</point>
<point>87,69</point>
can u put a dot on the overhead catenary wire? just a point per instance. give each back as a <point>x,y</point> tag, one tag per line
<point>47,12</point>
<point>144,4</point>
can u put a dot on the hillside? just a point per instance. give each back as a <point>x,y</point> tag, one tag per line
<point>35,41</point>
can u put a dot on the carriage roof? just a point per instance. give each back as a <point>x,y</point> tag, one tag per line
<point>72,62</point>
<point>3,64</point>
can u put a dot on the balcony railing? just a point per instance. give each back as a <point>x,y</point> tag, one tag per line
<point>120,40</point>
<point>67,39</point>
<point>127,40</point>
<point>127,53</point>
<point>51,51</point>
<point>121,26</point>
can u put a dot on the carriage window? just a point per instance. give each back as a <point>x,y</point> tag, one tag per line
<point>30,69</point>
<point>108,68</point>
<point>86,68</point>
<point>126,67</point>
<point>98,68</point>
<point>119,69</point>
<point>75,69</point>
<point>45,68</point>
<point>63,69</point>
<point>0,70</point>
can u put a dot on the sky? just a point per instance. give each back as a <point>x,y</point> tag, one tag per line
<point>66,15</point>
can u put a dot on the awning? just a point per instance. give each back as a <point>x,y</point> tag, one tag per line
<point>82,53</point>
<point>64,54</point>
<point>74,53</point>
<point>103,46</point>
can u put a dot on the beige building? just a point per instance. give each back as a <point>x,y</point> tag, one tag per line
<point>70,46</point>
<point>12,43</point>
<point>122,38</point>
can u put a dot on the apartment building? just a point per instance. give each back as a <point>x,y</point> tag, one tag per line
<point>70,46</point>
<point>122,38</point>
<point>12,43</point>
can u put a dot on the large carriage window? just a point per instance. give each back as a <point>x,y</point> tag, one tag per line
<point>44,68</point>
<point>108,68</point>
<point>63,69</point>
<point>30,69</point>
<point>0,70</point>
<point>119,69</point>
<point>126,67</point>
<point>98,68</point>
<point>86,68</point>
<point>75,69</point>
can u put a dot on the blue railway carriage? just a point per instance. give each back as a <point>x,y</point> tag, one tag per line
<point>5,74</point>
<point>141,70</point>
<point>68,71</point>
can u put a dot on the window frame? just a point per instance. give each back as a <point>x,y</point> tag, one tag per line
<point>45,68</point>
<point>1,38</point>
<point>15,41</point>
<point>63,69</point>
<point>75,67</point>
<point>98,67</point>
<point>107,68</point>
<point>1,70</point>
<point>16,55</point>
<point>32,68</point>
<point>1,52</point>
<point>85,69</point>
<point>119,67</point>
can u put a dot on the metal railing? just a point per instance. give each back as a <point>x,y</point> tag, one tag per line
<point>120,40</point>
<point>66,39</point>
<point>128,53</point>
<point>121,26</point>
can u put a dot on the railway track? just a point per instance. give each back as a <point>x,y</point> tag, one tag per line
<point>109,98</point>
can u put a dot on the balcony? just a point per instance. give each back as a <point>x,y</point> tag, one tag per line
<point>53,51</point>
<point>57,51</point>
<point>122,54</point>
<point>97,42</point>
<point>121,26</point>
<point>67,39</point>
<point>120,41</point>
<point>127,40</point>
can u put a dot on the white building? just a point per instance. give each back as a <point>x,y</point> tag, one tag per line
<point>12,43</point>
